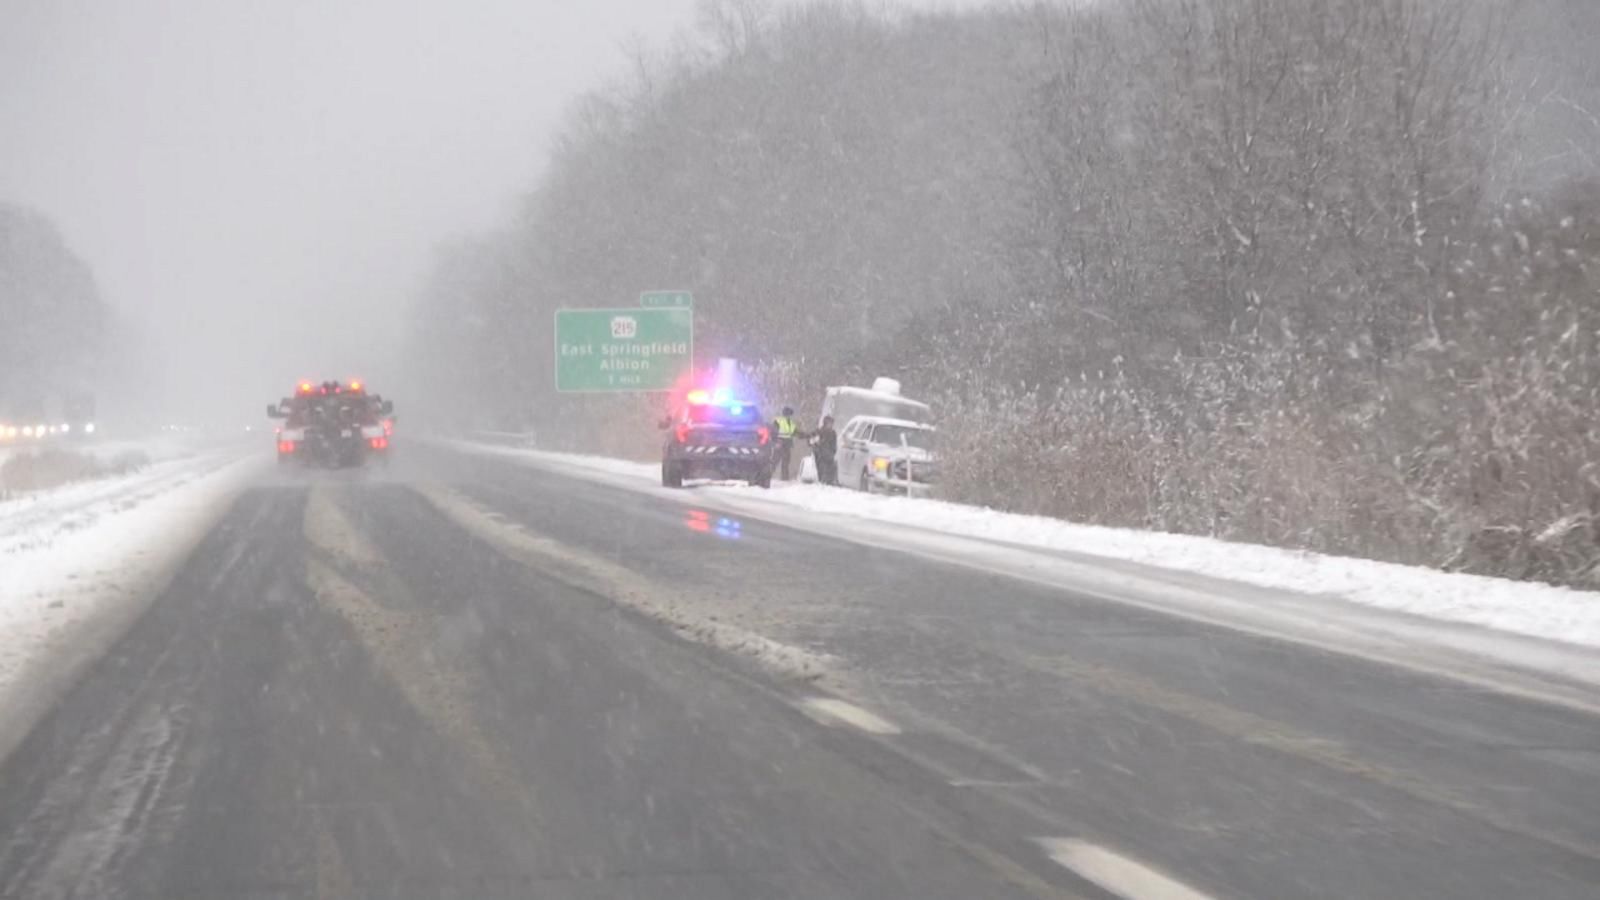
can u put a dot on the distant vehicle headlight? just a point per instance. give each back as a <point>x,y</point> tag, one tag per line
<point>66,428</point>
<point>89,428</point>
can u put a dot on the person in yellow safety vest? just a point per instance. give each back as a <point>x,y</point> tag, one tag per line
<point>784,429</point>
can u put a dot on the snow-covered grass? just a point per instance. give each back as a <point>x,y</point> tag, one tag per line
<point>27,466</point>
<point>1522,608</point>
<point>52,467</point>
<point>77,564</point>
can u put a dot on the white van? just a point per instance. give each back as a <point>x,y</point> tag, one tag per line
<point>881,401</point>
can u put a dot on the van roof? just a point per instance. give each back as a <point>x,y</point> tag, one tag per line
<point>889,420</point>
<point>871,394</point>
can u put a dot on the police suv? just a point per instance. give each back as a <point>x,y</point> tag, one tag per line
<point>713,435</point>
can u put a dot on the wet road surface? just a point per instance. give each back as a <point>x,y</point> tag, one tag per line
<point>461,677</point>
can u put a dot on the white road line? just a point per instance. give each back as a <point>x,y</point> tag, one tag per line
<point>829,711</point>
<point>1116,873</point>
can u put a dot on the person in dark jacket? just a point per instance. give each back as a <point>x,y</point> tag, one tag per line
<point>825,447</point>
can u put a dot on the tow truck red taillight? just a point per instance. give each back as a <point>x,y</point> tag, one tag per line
<point>379,443</point>
<point>286,446</point>
<point>764,433</point>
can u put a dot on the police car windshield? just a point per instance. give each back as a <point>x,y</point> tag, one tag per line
<point>921,438</point>
<point>733,414</point>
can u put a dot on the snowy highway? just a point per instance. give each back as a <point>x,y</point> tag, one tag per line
<point>1191,406</point>
<point>461,676</point>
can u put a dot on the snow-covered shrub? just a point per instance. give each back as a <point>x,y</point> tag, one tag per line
<point>52,467</point>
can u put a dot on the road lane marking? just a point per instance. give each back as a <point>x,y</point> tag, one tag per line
<point>831,711</point>
<point>1121,875</point>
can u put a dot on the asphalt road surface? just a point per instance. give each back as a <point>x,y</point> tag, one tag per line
<point>350,690</point>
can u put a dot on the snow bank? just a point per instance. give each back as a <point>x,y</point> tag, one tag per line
<point>78,563</point>
<point>1534,610</point>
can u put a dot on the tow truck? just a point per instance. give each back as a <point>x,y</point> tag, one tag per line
<point>332,425</point>
<point>713,435</point>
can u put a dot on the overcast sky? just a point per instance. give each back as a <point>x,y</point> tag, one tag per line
<point>258,181</point>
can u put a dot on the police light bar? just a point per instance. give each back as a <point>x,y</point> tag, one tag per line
<point>719,397</point>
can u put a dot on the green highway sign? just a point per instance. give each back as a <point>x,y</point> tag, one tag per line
<point>672,299</point>
<point>623,349</point>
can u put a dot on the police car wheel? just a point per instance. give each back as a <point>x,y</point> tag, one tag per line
<point>671,474</point>
<point>866,482</point>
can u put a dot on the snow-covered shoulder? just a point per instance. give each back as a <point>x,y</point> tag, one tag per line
<point>1537,610</point>
<point>80,562</point>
